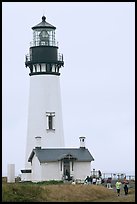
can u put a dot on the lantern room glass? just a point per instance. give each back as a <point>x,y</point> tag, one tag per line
<point>44,37</point>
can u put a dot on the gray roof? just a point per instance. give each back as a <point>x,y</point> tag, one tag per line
<point>43,24</point>
<point>56,154</point>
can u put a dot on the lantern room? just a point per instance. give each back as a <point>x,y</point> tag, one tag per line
<point>44,34</point>
<point>43,57</point>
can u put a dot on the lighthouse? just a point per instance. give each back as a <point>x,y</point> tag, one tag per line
<point>44,110</point>
<point>46,157</point>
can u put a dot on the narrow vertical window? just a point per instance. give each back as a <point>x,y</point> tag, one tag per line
<point>61,165</point>
<point>48,67</point>
<point>50,120</point>
<point>72,165</point>
<point>43,67</point>
<point>38,67</point>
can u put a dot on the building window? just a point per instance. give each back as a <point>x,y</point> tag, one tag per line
<point>53,68</point>
<point>50,120</point>
<point>48,68</point>
<point>38,67</point>
<point>43,67</point>
<point>35,68</point>
<point>72,165</point>
<point>61,165</point>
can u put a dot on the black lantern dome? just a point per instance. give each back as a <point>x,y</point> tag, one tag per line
<point>43,24</point>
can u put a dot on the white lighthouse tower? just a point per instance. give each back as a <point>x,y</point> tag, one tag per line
<point>46,156</point>
<point>44,112</point>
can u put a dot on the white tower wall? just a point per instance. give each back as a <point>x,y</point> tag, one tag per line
<point>11,173</point>
<point>45,96</point>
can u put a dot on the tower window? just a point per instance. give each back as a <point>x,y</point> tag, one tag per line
<point>50,120</point>
<point>38,67</point>
<point>53,68</point>
<point>48,68</point>
<point>43,67</point>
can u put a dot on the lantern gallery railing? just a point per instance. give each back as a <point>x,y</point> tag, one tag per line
<point>27,58</point>
<point>60,57</point>
<point>44,43</point>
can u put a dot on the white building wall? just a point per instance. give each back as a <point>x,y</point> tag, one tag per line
<point>44,96</point>
<point>51,171</point>
<point>81,170</point>
<point>25,176</point>
<point>60,167</point>
<point>36,170</point>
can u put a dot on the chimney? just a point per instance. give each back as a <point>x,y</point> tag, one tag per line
<point>82,142</point>
<point>38,142</point>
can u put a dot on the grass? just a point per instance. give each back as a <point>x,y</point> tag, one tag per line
<point>58,192</point>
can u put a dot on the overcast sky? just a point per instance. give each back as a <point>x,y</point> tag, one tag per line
<point>97,81</point>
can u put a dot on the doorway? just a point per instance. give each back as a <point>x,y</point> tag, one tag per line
<point>66,169</point>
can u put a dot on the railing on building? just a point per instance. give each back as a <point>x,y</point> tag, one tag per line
<point>60,57</point>
<point>27,58</point>
<point>44,43</point>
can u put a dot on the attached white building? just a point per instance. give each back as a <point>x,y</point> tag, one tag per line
<point>60,163</point>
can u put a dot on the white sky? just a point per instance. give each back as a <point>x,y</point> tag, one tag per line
<point>97,80</point>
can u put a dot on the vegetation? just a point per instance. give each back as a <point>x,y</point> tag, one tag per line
<point>54,191</point>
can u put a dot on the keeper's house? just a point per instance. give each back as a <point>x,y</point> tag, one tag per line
<point>59,163</point>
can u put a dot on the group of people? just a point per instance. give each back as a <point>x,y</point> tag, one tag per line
<point>118,186</point>
<point>90,180</point>
<point>93,179</point>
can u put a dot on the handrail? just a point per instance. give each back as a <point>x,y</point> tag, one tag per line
<point>43,43</point>
<point>60,57</point>
<point>27,57</point>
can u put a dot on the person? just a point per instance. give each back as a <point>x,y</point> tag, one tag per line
<point>90,179</point>
<point>126,188</point>
<point>98,181</point>
<point>102,180</point>
<point>99,173</point>
<point>109,182</point>
<point>94,180</point>
<point>125,182</point>
<point>87,180</point>
<point>67,175</point>
<point>118,187</point>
